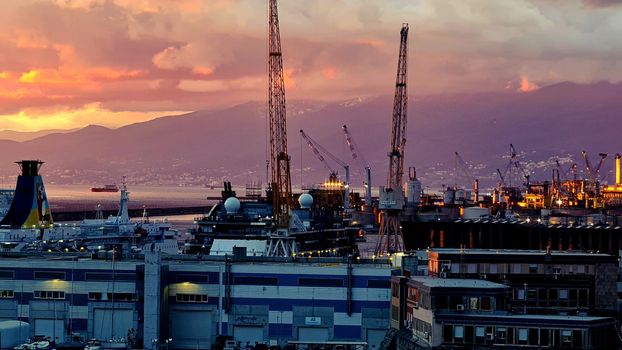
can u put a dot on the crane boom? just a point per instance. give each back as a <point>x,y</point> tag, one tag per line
<point>316,148</point>
<point>279,158</point>
<point>356,154</point>
<point>391,203</point>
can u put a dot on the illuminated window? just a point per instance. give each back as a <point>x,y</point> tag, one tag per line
<point>46,294</point>
<point>6,294</point>
<point>191,298</point>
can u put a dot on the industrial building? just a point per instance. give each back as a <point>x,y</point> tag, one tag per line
<point>187,302</point>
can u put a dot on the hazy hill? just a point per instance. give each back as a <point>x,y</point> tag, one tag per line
<point>201,147</point>
<point>28,135</point>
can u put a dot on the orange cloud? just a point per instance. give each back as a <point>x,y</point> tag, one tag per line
<point>201,70</point>
<point>92,113</point>
<point>526,85</point>
<point>4,75</point>
<point>288,78</point>
<point>329,73</point>
<point>63,76</point>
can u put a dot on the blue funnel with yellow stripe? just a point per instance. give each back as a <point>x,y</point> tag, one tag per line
<point>30,207</point>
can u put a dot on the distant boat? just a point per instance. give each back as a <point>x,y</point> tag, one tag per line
<point>106,188</point>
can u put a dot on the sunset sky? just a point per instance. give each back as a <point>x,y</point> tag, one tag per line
<point>69,63</point>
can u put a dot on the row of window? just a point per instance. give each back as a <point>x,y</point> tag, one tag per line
<point>47,294</point>
<point>546,297</point>
<point>438,266</point>
<point>306,282</point>
<point>60,275</point>
<point>191,298</point>
<point>465,334</point>
<point>6,294</point>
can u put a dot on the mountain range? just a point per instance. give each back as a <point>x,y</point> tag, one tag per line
<point>206,147</point>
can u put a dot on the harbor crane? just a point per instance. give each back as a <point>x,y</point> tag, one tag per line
<point>464,167</point>
<point>317,149</point>
<point>356,154</point>
<point>513,164</point>
<point>593,173</point>
<point>281,244</point>
<point>390,239</point>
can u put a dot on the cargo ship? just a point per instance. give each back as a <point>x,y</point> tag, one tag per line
<point>106,188</point>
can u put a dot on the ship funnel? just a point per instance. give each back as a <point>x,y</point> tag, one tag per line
<point>30,207</point>
<point>617,160</point>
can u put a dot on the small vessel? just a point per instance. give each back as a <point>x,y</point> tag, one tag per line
<point>106,188</point>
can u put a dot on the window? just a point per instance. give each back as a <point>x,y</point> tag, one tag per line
<point>378,283</point>
<point>49,275</point>
<point>105,276</point>
<point>192,278</point>
<point>566,337</point>
<point>533,268</point>
<point>46,294</point>
<point>95,296</point>
<point>494,268</point>
<point>473,303</point>
<point>520,294</point>
<point>191,298</point>
<point>472,268</point>
<point>320,282</point>
<point>395,290</point>
<point>459,332</point>
<point>502,334</point>
<point>486,303</point>
<point>563,294</point>
<point>6,294</point>
<point>580,268</point>
<point>522,335</point>
<point>516,268</point>
<point>255,281</point>
<point>479,332</point>
<point>7,275</point>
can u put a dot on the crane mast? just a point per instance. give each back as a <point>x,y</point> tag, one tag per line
<point>390,238</point>
<point>280,179</point>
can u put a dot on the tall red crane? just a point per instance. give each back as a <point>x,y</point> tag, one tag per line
<point>390,238</point>
<point>280,179</point>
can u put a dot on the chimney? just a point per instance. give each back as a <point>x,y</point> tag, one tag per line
<point>617,160</point>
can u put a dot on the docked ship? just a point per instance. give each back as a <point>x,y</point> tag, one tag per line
<point>106,188</point>
<point>318,226</point>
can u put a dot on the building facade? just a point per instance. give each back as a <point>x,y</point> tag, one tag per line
<point>189,301</point>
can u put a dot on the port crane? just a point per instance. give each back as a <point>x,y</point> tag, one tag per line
<point>593,173</point>
<point>281,244</point>
<point>390,239</point>
<point>464,167</point>
<point>356,154</point>
<point>317,149</point>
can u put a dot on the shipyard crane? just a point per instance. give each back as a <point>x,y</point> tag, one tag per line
<point>513,163</point>
<point>280,179</point>
<point>356,154</point>
<point>317,149</point>
<point>593,173</point>
<point>464,167</point>
<point>390,239</point>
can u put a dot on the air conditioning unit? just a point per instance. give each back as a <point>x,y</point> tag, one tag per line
<point>443,274</point>
<point>460,307</point>
<point>490,336</point>
<point>482,276</point>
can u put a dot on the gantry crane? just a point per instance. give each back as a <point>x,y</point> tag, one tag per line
<point>356,154</point>
<point>280,179</point>
<point>390,239</point>
<point>315,148</point>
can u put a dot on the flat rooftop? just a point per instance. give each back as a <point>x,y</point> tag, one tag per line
<point>435,282</point>
<point>514,252</point>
